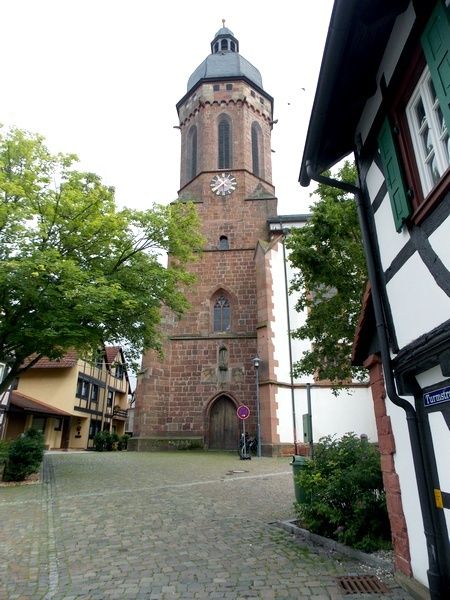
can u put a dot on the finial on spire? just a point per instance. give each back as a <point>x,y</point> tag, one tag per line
<point>223,22</point>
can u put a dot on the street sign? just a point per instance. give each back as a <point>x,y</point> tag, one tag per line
<point>243,412</point>
<point>437,396</point>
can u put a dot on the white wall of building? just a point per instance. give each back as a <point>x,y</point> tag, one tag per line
<point>350,411</point>
<point>418,305</point>
<point>410,496</point>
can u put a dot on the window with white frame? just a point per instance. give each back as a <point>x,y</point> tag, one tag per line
<point>429,133</point>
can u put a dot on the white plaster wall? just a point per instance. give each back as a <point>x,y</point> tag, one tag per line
<point>440,242</point>
<point>390,242</point>
<point>417,303</point>
<point>284,414</point>
<point>280,325</point>
<point>439,434</point>
<point>410,498</point>
<point>441,440</point>
<point>374,180</point>
<point>350,411</point>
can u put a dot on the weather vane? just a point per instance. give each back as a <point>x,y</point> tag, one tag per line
<point>223,22</point>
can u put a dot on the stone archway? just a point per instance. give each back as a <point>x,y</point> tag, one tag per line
<point>223,425</point>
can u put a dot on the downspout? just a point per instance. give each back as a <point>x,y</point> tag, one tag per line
<point>418,444</point>
<point>286,291</point>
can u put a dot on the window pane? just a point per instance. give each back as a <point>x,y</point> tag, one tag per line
<point>222,314</point>
<point>428,133</point>
<point>223,243</point>
<point>420,114</point>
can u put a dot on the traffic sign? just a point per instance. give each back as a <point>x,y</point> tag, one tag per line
<point>243,412</point>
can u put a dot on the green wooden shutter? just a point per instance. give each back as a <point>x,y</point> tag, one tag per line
<point>401,207</point>
<point>436,46</point>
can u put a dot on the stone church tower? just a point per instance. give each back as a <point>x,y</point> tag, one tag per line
<point>225,120</point>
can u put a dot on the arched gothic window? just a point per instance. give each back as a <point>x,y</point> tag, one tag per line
<point>224,45</point>
<point>224,143</point>
<point>222,314</point>
<point>192,152</point>
<point>256,146</point>
<point>223,243</point>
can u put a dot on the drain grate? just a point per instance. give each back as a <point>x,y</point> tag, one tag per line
<point>361,584</point>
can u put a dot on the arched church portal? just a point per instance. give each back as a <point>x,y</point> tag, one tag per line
<point>223,424</point>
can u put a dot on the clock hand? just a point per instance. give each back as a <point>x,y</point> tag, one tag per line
<point>218,186</point>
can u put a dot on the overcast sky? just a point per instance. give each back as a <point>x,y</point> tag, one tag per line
<point>101,78</point>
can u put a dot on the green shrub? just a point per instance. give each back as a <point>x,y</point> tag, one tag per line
<point>24,456</point>
<point>114,441</point>
<point>344,486</point>
<point>4,449</point>
<point>123,442</point>
<point>102,441</point>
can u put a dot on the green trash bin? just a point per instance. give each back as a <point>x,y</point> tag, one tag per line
<point>298,462</point>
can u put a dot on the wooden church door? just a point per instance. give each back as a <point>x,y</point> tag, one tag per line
<point>223,425</point>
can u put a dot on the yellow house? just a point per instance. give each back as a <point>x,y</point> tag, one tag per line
<point>71,399</point>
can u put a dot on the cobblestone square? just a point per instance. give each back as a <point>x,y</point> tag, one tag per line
<point>177,525</point>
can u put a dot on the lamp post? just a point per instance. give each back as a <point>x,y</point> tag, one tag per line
<point>256,363</point>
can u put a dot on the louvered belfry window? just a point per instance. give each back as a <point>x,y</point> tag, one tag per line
<point>224,144</point>
<point>192,153</point>
<point>255,149</point>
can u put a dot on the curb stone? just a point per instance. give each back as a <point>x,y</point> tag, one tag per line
<point>333,546</point>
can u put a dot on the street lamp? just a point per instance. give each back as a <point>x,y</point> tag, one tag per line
<point>256,363</point>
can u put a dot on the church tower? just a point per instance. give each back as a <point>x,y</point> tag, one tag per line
<point>191,396</point>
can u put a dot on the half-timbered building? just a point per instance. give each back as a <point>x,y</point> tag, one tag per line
<point>384,94</point>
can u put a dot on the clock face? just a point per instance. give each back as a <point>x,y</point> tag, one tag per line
<point>223,184</point>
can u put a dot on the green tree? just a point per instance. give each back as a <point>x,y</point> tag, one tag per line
<point>75,271</point>
<point>330,277</point>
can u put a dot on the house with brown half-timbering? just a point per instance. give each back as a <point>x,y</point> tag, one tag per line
<point>70,399</point>
<point>383,94</point>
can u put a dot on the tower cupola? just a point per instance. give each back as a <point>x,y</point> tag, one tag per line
<point>224,41</point>
<point>224,62</point>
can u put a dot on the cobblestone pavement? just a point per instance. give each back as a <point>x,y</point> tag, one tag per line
<point>128,526</point>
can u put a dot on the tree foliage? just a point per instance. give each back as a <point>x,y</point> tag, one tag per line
<point>330,276</point>
<point>75,271</point>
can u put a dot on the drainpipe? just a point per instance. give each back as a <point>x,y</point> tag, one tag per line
<point>419,448</point>
<point>286,292</point>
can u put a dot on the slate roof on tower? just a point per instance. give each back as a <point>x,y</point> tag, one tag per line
<point>224,62</point>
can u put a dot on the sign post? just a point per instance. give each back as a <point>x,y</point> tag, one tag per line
<point>243,412</point>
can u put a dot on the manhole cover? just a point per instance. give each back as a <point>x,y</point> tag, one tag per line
<point>361,584</point>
